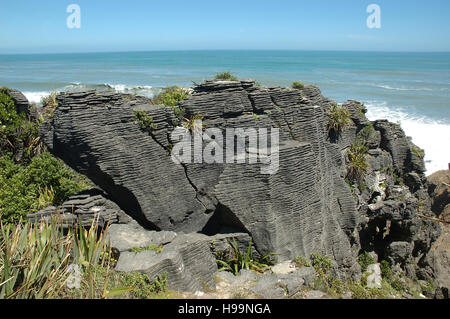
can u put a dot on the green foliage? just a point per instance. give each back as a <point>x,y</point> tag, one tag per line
<point>338,119</point>
<point>301,261</point>
<point>157,249</point>
<point>255,117</point>
<point>366,133</point>
<point>191,123</point>
<point>246,260</point>
<point>26,189</point>
<point>144,120</point>
<point>50,103</point>
<point>321,264</point>
<point>34,259</point>
<point>418,152</point>
<point>226,76</point>
<point>365,260</point>
<point>357,161</point>
<point>386,271</point>
<point>171,96</point>
<point>142,286</point>
<point>298,85</point>
<point>19,137</point>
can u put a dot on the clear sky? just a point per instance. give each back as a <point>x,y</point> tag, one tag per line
<point>29,26</point>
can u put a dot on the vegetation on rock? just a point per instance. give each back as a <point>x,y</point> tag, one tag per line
<point>240,260</point>
<point>298,85</point>
<point>226,76</point>
<point>338,119</point>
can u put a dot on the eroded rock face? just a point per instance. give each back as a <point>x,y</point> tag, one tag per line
<point>306,207</point>
<point>439,255</point>
<point>84,209</point>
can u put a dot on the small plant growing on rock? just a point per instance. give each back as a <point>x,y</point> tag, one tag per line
<point>338,119</point>
<point>190,124</point>
<point>298,85</point>
<point>418,152</point>
<point>226,76</point>
<point>171,96</point>
<point>50,102</point>
<point>357,159</point>
<point>321,264</point>
<point>301,261</point>
<point>157,249</point>
<point>365,260</point>
<point>144,120</point>
<point>239,260</point>
<point>366,133</point>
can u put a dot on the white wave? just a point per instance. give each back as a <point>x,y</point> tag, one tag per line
<point>426,133</point>
<point>36,97</point>
<point>387,87</point>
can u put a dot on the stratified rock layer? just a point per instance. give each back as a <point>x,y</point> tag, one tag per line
<point>306,207</point>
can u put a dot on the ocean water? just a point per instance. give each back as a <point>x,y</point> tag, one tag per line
<point>412,89</point>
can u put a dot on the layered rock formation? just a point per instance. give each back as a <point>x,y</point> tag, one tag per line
<point>307,207</point>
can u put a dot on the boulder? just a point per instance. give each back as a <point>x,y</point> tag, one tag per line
<point>374,276</point>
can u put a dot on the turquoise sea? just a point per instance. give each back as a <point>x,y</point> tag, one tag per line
<point>412,89</point>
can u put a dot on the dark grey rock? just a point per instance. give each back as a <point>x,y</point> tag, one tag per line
<point>20,101</point>
<point>307,207</point>
<point>83,209</point>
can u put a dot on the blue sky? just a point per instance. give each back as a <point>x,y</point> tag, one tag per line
<point>29,26</point>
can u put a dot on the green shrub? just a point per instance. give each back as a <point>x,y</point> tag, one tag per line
<point>358,164</point>
<point>27,188</point>
<point>171,96</point>
<point>418,152</point>
<point>321,264</point>
<point>298,85</point>
<point>239,260</point>
<point>365,260</point>
<point>19,137</point>
<point>50,103</point>
<point>226,76</point>
<point>301,261</point>
<point>142,286</point>
<point>338,119</point>
<point>366,133</point>
<point>190,123</point>
<point>144,121</point>
<point>35,260</point>
<point>157,249</point>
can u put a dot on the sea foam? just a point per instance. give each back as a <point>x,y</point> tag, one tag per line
<point>427,134</point>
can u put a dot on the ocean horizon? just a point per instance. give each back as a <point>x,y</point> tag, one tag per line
<point>409,88</point>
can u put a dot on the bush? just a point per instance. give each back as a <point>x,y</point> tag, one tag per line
<point>19,137</point>
<point>36,261</point>
<point>171,96</point>
<point>239,260</point>
<point>338,119</point>
<point>357,159</point>
<point>298,85</point>
<point>144,121</point>
<point>365,260</point>
<point>226,76</point>
<point>25,189</point>
<point>321,264</point>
